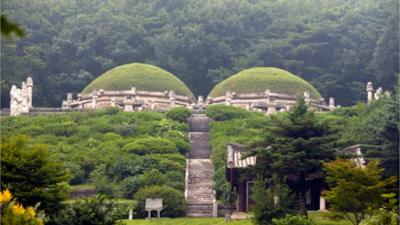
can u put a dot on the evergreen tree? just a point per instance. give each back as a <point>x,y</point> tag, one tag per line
<point>297,143</point>
<point>33,174</point>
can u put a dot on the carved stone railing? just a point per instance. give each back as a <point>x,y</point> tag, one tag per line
<point>129,100</point>
<point>268,101</point>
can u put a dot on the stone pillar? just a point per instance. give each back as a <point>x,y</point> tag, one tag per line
<point>370,90</point>
<point>172,98</point>
<point>24,107</point>
<point>228,98</point>
<point>331,103</point>
<point>307,97</point>
<point>14,94</point>
<point>215,208</point>
<point>267,94</point>
<point>128,105</point>
<point>378,93</point>
<point>276,200</point>
<point>200,101</point>
<point>112,102</point>
<point>69,100</point>
<point>94,99</point>
<point>80,105</point>
<point>271,109</point>
<point>322,204</point>
<point>152,105</point>
<point>133,90</point>
<point>29,86</point>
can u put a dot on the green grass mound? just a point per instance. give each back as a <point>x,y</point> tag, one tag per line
<point>259,79</point>
<point>142,76</point>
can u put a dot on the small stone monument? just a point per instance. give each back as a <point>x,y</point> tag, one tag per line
<point>155,204</point>
<point>130,216</point>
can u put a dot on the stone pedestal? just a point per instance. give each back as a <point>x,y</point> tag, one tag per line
<point>322,204</point>
<point>370,91</point>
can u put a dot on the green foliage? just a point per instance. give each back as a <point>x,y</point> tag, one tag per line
<point>173,200</point>
<point>91,211</point>
<point>374,124</point>
<point>143,77</point>
<point>335,45</point>
<point>13,213</point>
<point>150,145</point>
<point>97,147</point>
<point>383,216</point>
<point>272,200</point>
<point>33,174</point>
<point>293,220</point>
<point>8,27</point>
<point>180,114</point>
<point>356,192</point>
<point>231,124</point>
<point>297,144</point>
<point>260,79</point>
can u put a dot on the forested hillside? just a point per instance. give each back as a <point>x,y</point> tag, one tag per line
<point>335,45</point>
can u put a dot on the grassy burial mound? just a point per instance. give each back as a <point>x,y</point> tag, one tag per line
<point>142,76</point>
<point>259,79</point>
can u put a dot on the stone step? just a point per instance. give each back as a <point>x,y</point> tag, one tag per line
<point>200,178</point>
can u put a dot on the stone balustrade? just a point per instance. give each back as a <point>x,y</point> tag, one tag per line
<point>129,100</point>
<point>268,101</point>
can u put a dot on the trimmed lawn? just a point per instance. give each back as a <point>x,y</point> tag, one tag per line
<point>318,217</point>
<point>184,221</point>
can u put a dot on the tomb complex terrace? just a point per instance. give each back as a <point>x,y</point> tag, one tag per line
<point>138,87</point>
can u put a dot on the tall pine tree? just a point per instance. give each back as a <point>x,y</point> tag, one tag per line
<point>297,144</point>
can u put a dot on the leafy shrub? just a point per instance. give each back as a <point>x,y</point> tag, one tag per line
<point>152,178</point>
<point>383,216</point>
<point>91,211</point>
<point>151,145</point>
<point>266,206</point>
<point>95,146</point>
<point>293,220</point>
<point>180,114</point>
<point>13,213</point>
<point>129,186</point>
<point>173,200</point>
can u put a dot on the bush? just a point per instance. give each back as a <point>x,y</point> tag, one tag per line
<point>383,216</point>
<point>180,114</point>
<point>13,213</point>
<point>266,208</point>
<point>151,145</point>
<point>293,220</point>
<point>91,211</point>
<point>173,200</point>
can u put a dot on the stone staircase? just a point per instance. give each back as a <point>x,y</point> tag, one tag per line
<point>199,187</point>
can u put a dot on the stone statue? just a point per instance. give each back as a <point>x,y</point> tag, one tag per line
<point>21,99</point>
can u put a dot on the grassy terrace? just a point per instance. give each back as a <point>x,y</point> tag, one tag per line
<point>318,217</point>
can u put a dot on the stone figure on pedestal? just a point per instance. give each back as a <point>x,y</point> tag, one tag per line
<point>21,99</point>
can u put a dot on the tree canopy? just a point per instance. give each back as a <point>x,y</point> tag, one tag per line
<point>335,45</point>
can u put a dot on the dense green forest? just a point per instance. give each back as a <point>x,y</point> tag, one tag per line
<point>335,45</point>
